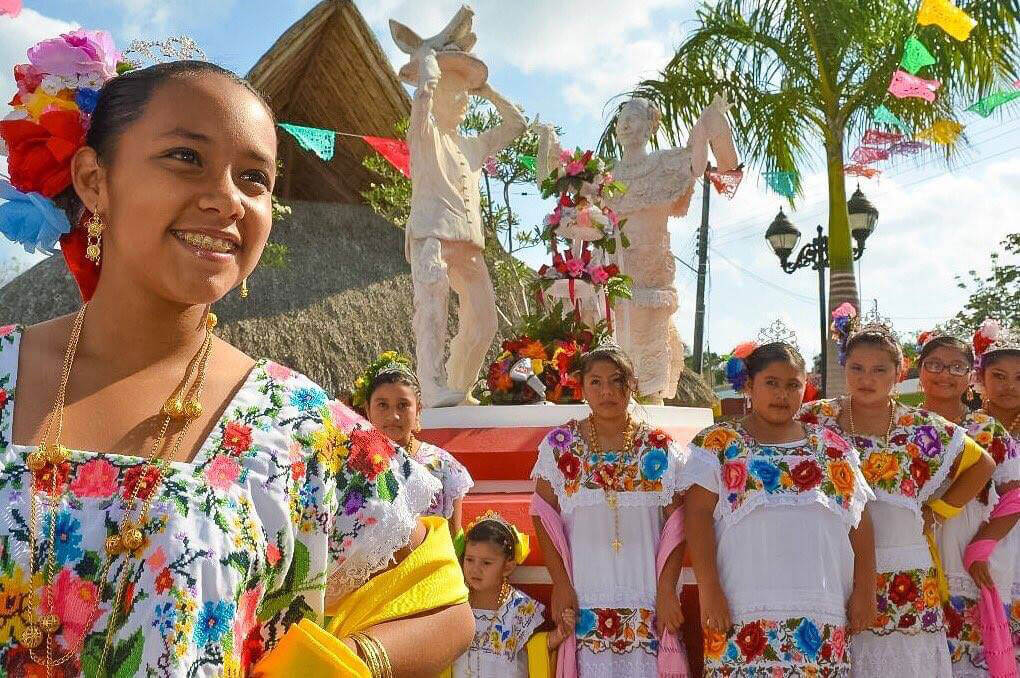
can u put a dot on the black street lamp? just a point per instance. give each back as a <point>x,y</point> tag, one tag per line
<point>782,236</point>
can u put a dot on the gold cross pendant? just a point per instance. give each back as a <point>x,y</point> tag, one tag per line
<point>616,545</point>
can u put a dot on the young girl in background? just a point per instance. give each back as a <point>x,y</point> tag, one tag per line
<point>506,620</point>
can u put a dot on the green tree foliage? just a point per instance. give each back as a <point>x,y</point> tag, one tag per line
<point>994,291</point>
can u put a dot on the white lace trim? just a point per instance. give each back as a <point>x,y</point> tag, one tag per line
<point>962,585</point>
<point>821,607</point>
<point>923,655</point>
<point>1007,472</point>
<point>608,664</point>
<point>618,597</point>
<point>952,451</point>
<point>902,558</point>
<point>391,532</point>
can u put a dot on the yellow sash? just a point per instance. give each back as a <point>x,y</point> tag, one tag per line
<point>429,578</point>
<point>970,455</point>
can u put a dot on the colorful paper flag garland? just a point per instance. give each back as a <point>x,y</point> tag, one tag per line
<point>946,16</point>
<point>863,171</point>
<point>726,183</point>
<point>904,85</point>
<point>884,115</point>
<point>942,131</point>
<point>985,106</point>
<point>783,183</point>
<point>915,56</point>
<point>11,8</point>
<point>321,142</point>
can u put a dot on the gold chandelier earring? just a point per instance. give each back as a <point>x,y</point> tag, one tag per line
<point>244,288</point>
<point>94,228</point>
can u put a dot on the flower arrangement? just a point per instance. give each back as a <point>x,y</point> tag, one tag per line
<point>736,365</point>
<point>553,342</point>
<point>843,320</point>
<point>57,92</point>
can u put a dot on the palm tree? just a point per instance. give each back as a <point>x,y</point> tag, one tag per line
<point>804,73</point>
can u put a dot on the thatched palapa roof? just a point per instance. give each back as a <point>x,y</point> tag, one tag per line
<point>328,70</point>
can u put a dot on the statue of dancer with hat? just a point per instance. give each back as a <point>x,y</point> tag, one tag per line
<point>444,240</point>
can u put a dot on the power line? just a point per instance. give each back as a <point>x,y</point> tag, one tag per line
<point>799,297</point>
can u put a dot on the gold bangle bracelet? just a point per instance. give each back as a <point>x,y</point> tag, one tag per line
<point>381,656</point>
<point>367,653</point>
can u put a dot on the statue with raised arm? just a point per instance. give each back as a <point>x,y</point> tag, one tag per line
<point>659,186</point>
<point>444,240</point>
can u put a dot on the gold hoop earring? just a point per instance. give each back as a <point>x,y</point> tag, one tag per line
<point>94,228</point>
<point>244,288</point>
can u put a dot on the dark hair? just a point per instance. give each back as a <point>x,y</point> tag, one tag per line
<point>493,532</point>
<point>992,357</point>
<point>122,100</point>
<point>613,355</point>
<point>392,377</point>
<point>945,341</point>
<point>878,339</point>
<point>777,351</point>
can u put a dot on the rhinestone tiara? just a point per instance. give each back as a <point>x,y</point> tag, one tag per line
<point>144,53</point>
<point>778,332</point>
<point>873,322</point>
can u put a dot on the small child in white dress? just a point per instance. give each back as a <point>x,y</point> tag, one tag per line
<point>506,644</point>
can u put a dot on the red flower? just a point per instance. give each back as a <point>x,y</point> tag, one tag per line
<point>252,650</point>
<point>237,437</point>
<point>954,621</point>
<point>808,418</point>
<point>18,662</point>
<point>903,590</point>
<point>751,640</point>
<point>659,438</point>
<point>919,471</point>
<point>899,439</point>
<point>44,478</point>
<point>907,620</point>
<point>371,452</point>
<point>613,270</point>
<point>128,600</point>
<point>569,465</point>
<point>806,475</point>
<point>164,581</point>
<point>997,449</point>
<point>3,398</point>
<point>608,623</point>
<point>39,154</point>
<point>134,474</point>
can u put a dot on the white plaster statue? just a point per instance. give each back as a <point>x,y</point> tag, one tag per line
<point>659,185</point>
<point>444,240</point>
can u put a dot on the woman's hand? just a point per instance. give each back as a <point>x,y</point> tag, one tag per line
<point>861,609</point>
<point>931,519</point>
<point>715,610</point>
<point>669,614</point>
<point>564,598</point>
<point>981,575</point>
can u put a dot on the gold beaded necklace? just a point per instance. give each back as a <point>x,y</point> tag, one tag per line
<point>888,430</point>
<point>595,450</point>
<point>504,595</point>
<point>49,456</point>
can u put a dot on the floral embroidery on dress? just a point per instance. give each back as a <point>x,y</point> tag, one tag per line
<point>908,602</point>
<point>640,470</point>
<point>919,456</point>
<point>991,435</point>
<point>517,620</point>
<point>454,477</point>
<point>290,492</point>
<point>798,646</point>
<point>825,465</point>
<point>963,628</point>
<point>617,629</point>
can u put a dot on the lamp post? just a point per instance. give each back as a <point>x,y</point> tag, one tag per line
<point>783,237</point>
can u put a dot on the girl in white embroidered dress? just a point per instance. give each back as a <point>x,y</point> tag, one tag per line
<point>907,455</point>
<point>613,482</point>
<point>780,541</point>
<point>946,365</point>
<point>393,405</point>
<point>505,618</point>
<point>998,379</point>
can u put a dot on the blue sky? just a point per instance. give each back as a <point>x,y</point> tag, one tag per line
<point>564,61</point>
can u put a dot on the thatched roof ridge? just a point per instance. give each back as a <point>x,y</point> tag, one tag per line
<point>328,70</point>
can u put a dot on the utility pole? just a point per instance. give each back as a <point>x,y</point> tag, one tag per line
<point>699,309</point>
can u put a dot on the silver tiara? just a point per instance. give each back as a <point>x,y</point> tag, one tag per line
<point>143,53</point>
<point>778,332</point>
<point>873,322</point>
<point>1008,340</point>
<point>607,345</point>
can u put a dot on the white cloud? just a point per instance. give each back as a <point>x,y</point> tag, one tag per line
<point>600,49</point>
